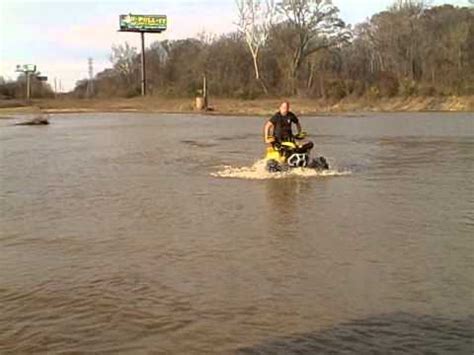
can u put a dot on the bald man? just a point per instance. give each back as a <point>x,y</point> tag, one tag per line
<point>279,128</point>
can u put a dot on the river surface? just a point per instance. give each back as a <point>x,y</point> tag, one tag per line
<point>139,233</point>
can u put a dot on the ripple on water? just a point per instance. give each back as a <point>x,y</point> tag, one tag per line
<point>101,315</point>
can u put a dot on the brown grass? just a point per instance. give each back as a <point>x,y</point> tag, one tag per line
<point>240,107</point>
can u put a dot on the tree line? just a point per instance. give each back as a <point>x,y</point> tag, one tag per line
<point>10,89</point>
<point>303,48</point>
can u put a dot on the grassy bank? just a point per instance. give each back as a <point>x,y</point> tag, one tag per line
<point>240,107</point>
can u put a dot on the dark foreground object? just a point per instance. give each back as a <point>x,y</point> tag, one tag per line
<point>37,121</point>
<point>398,333</point>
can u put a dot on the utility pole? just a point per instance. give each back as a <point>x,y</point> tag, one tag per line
<point>28,85</point>
<point>90,83</point>
<point>204,91</point>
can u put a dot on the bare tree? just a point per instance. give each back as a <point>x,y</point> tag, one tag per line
<point>414,7</point>
<point>123,58</point>
<point>206,37</point>
<point>316,25</point>
<point>405,50</point>
<point>256,18</point>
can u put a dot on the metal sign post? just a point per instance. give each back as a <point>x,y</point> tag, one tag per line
<point>27,69</point>
<point>28,86</point>
<point>143,24</point>
<point>143,65</point>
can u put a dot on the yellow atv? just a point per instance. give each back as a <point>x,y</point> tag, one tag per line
<point>282,156</point>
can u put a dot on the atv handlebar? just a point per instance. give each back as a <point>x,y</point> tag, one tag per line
<point>301,135</point>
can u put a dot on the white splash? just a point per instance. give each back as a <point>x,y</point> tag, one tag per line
<point>258,171</point>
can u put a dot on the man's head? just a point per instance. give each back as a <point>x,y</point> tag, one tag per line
<point>284,108</point>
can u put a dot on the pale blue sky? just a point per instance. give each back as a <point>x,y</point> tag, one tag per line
<point>59,36</point>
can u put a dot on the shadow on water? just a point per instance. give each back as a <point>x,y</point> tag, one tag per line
<point>383,334</point>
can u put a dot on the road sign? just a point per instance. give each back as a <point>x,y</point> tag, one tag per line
<point>29,70</point>
<point>143,23</point>
<point>29,67</point>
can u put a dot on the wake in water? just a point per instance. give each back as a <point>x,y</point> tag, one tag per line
<point>258,171</point>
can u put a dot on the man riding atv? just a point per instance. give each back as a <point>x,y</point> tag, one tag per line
<point>279,128</point>
<point>282,150</point>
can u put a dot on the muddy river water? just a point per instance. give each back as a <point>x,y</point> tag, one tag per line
<point>138,233</point>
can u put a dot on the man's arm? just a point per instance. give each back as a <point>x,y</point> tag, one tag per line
<point>298,127</point>
<point>268,133</point>
<point>297,123</point>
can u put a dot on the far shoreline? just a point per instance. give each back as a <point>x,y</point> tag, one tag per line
<point>236,107</point>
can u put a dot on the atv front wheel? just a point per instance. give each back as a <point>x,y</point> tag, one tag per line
<point>273,166</point>
<point>319,163</point>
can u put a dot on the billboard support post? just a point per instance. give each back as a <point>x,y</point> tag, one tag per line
<point>143,65</point>
<point>143,24</point>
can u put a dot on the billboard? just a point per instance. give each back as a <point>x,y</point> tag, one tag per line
<point>143,23</point>
<point>26,68</point>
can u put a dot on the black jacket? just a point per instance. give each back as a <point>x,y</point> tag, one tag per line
<point>282,126</point>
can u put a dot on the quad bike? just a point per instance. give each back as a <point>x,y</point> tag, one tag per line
<point>283,156</point>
